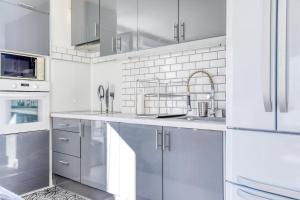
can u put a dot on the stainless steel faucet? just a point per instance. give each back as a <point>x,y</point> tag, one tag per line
<point>211,96</point>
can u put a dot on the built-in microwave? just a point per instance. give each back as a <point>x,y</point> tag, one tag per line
<point>21,66</point>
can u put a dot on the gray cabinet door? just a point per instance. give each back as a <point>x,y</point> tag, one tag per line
<point>37,5</point>
<point>108,27</point>
<point>193,164</point>
<point>157,23</point>
<point>126,40</point>
<point>140,163</point>
<point>84,21</point>
<point>200,19</point>
<point>23,29</point>
<point>93,154</point>
<point>24,161</point>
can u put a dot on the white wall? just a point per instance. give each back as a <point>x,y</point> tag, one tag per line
<point>102,73</point>
<point>70,75</point>
<point>70,86</point>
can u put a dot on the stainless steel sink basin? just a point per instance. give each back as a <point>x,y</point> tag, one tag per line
<point>196,118</point>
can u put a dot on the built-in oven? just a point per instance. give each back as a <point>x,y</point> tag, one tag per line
<point>23,111</point>
<point>22,66</point>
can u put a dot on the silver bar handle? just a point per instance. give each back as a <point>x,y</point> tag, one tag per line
<point>282,48</point>
<point>266,65</point>
<point>64,125</point>
<point>182,25</point>
<point>81,131</point>
<point>158,143</point>
<point>176,32</point>
<point>95,30</point>
<point>119,44</point>
<point>249,196</point>
<point>166,141</point>
<point>64,139</point>
<point>64,162</point>
<point>25,5</point>
<point>113,45</point>
<point>268,188</point>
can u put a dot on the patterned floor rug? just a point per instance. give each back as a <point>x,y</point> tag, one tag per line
<point>54,193</point>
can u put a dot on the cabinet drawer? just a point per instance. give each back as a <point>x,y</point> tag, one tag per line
<point>64,124</point>
<point>66,142</point>
<point>66,166</point>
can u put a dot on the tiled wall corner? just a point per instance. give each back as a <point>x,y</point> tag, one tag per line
<point>61,53</point>
<point>176,67</point>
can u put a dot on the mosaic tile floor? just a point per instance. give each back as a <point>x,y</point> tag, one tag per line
<point>54,193</point>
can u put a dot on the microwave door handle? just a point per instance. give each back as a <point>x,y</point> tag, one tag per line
<point>282,51</point>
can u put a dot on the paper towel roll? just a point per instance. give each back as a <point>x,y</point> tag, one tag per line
<point>140,104</point>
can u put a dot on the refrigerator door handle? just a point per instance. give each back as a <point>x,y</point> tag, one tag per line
<point>268,188</point>
<point>248,196</point>
<point>266,65</point>
<point>282,64</point>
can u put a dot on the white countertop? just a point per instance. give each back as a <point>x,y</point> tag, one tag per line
<point>133,119</point>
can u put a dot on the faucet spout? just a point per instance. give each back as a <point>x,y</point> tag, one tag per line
<point>212,93</point>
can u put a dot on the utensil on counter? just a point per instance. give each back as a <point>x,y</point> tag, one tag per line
<point>112,96</point>
<point>202,109</point>
<point>107,99</point>
<point>100,93</point>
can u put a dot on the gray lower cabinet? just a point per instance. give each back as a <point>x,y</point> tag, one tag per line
<point>66,166</point>
<point>140,163</point>
<point>79,151</point>
<point>93,154</point>
<point>192,164</point>
<point>24,161</point>
<point>170,163</point>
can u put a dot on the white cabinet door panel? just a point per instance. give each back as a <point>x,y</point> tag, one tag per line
<point>264,160</point>
<point>251,66</point>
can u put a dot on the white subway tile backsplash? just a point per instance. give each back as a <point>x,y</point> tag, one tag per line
<point>170,61</point>
<point>173,69</point>
<point>196,57</point>
<point>67,57</point>
<point>210,56</point>
<point>183,59</point>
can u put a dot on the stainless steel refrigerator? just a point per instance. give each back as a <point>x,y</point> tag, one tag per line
<point>263,100</point>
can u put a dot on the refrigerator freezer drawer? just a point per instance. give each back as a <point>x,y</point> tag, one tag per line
<point>264,161</point>
<point>234,192</point>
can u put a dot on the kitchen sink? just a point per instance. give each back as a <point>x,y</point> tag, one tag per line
<point>196,118</point>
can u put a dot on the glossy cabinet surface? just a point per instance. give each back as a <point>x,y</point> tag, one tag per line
<point>157,23</point>
<point>66,142</point>
<point>200,19</point>
<point>84,21</point>
<point>192,164</point>
<point>24,27</point>
<point>108,27</point>
<point>140,163</point>
<point>66,166</point>
<point>127,18</point>
<point>93,154</point>
<point>24,161</point>
<point>64,124</point>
